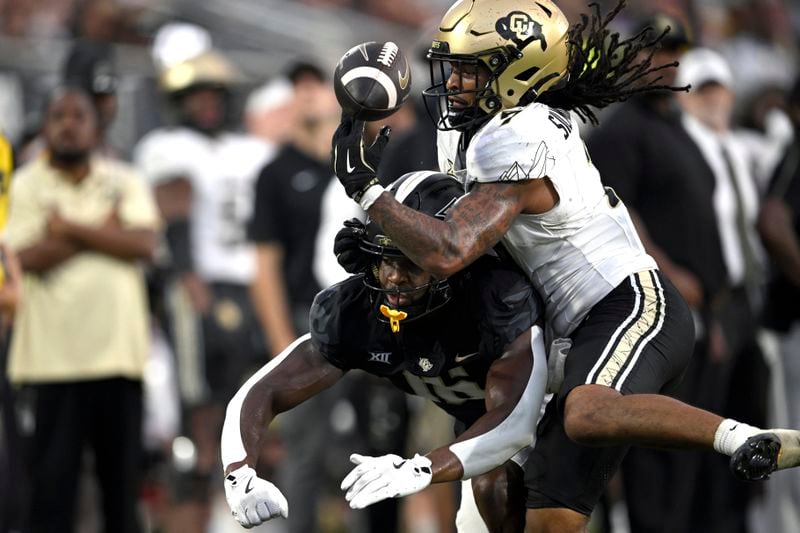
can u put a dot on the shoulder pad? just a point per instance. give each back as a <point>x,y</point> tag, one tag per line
<point>327,317</point>
<point>505,299</point>
<point>519,144</point>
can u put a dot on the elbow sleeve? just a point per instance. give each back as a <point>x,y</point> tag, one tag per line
<point>232,447</point>
<point>180,244</point>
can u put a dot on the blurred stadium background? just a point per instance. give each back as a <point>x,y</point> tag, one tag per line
<point>263,38</point>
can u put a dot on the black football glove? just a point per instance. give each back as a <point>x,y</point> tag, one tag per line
<point>346,247</point>
<point>354,163</point>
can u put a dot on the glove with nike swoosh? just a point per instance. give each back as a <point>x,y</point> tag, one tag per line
<point>355,164</point>
<point>389,476</point>
<point>253,500</point>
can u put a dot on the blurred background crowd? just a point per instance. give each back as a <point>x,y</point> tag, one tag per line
<point>217,116</point>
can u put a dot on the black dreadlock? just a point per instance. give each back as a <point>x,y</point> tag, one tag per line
<point>603,68</point>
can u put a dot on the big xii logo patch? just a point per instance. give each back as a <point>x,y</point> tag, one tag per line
<point>520,28</point>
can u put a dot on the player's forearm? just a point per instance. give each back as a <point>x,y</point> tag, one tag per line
<point>446,465</point>
<point>254,415</point>
<point>509,423</point>
<point>435,245</point>
<point>491,441</point>
<point>293,376</point>
<point>248,416</point>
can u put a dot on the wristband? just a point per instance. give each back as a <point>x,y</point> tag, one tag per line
<point>370,195</point>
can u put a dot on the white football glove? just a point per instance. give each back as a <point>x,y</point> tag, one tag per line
<point>387,476</point>
<point>253,500</point>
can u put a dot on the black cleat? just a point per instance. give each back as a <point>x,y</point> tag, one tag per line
<point>763,453</point>
<point>757,458</point>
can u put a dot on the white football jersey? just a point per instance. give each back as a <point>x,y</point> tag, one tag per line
<point>222,171</point>
<point>577,252</point>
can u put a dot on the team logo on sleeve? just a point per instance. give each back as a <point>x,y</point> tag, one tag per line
<point>425,364</point>
<point>520,28</point>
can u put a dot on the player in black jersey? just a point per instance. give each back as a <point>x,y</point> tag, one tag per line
<point>470,343</point>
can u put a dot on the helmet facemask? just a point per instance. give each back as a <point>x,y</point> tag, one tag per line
<point>428,192</point>
<point>387,300</point>
<point>481,95</point>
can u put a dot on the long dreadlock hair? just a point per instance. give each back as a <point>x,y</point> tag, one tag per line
<point>603,68</point>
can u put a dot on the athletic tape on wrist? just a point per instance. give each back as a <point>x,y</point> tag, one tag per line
<point>370,195</point>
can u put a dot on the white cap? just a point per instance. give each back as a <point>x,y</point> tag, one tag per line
<point>703,65</point>
<point>269,96</point>
<point>177,42</point>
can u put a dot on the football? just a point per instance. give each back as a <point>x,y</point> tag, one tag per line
<point>372,80</point>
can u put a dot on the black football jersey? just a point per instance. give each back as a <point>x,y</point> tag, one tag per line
<point>443,355</point>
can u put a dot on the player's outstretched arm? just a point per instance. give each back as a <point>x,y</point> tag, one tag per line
<point>515,389</point>
<point>292,377</point>
<point>443,247</point>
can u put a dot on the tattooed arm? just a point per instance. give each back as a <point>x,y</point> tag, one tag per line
<point>475,224</point>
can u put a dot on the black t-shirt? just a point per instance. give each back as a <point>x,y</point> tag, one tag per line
<point>287,210</point>
<point>444,355</point>
<point>657,170</point>
<point>783,297</point>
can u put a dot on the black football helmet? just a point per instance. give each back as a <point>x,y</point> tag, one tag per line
<point>429,192</point>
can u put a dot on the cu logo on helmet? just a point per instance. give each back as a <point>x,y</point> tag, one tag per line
<point>521,24</point>
<point>520,27</point>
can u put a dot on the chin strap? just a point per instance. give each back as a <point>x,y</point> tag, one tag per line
<point>394,316</point>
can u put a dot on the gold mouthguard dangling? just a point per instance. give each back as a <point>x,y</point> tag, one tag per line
<point>394,317</point>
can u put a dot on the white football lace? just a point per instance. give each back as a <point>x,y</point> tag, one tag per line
<point>388,53</point>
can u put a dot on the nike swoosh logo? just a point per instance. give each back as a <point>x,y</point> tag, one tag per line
<point>396,465</point>
<point>461,358</point>
<point>403,79</point>
<point>347,163</point>
<point>248,488</point>
<point>363,49</point>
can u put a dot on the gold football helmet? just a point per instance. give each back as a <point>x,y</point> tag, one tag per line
<point>208,68</point>
<point>523,44</point>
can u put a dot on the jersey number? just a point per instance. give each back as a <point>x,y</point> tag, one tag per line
<point>561,120</point>
<point>433,388</point>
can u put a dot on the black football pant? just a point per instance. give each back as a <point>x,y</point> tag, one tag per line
<point>104,415</point>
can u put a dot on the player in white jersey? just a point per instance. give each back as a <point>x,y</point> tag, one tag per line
<point>508,74</point>
<point>203,174</point>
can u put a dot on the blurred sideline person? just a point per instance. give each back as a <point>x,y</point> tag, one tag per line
<point>779,227</point>
<point>286,211</point>
<point>203,176</point>
<point>270,112</point>
<point>509,80</point>
<point>91,65</point>
<point>468,343</point>
<point>737,363</point>
<point>80,225</point>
